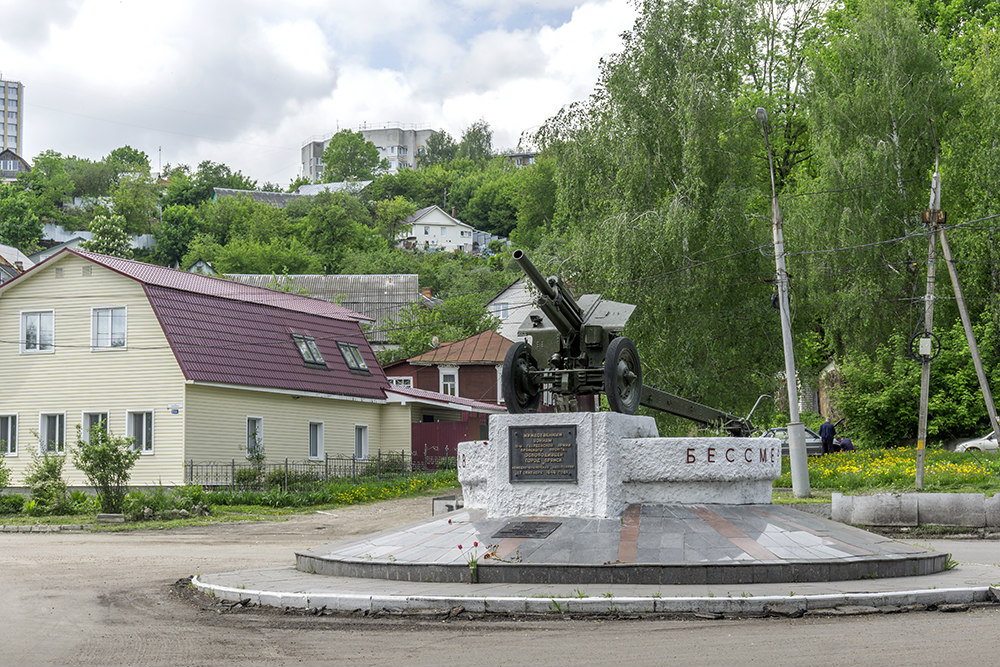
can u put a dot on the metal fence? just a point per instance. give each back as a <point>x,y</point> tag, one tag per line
<point>291,474</point>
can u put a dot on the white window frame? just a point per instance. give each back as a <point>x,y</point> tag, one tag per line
<point>94,343</point>
<point>447,370</point>
<point>501,310</point>
<point>320,445</point>
<point>43,433</point>
<point>260,434</point>
<point>401,381</point>
<point>142,446</point>
<point>10,437</point>
<point>361,447</point>
<point>85,430</point>
<point>24,332</point>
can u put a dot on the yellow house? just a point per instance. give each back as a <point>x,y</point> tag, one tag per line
<point>194,368</point>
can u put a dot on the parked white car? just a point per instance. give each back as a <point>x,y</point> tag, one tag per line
<point>985,443</point>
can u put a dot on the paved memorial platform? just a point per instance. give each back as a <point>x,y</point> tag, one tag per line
<point>649,544</point>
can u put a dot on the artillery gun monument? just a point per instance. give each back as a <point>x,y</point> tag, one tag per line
<point>583,497</point>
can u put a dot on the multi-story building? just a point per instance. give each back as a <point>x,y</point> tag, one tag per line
<point>12,108</point>
<point>400,146</point>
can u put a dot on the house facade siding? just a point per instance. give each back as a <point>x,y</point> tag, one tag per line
<point>73,379</point>
<point>216,424</point>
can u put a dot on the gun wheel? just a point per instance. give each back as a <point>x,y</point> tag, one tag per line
<point>623,376</point>
<point>520,391</point>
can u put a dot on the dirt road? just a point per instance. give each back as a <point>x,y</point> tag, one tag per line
<point>106,599</point>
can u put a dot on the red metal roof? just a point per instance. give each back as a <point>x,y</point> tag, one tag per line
<point>250,344</point>
<point>161,276</point>
<point>488,347</point>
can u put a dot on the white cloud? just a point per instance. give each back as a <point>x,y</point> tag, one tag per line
<point>246,83</point>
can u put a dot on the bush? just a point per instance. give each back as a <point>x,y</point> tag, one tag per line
<point>160,503</point>
<point>4,474</point>
<point>11,503</point>
<point>296,478</point>
<point>48,490</point>
<point>447,463</point>
<point>392,463</point>
<point>107,461</point>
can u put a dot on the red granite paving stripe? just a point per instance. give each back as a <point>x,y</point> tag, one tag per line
<point>509,545</point>
<point>788,522</point>
<point>628,543</point>
<point>733,534</point>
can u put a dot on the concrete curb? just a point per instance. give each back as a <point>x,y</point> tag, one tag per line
<point>970,510</point>
<point>57,528</point>
<point>779,605</point>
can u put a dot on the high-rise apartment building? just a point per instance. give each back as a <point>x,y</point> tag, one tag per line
<point>400,147</point>
<point>12,108</point>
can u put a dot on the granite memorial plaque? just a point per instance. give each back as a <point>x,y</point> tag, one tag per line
<point>535,530</point>
<point>542,453</point>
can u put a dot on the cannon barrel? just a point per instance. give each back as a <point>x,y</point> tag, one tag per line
<point>534,275</point>
<point>561,309</point>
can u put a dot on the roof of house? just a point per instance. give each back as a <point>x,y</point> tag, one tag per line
<point>12,255</point>
<point>250,344</point>
<point>279,199</point>
<point>427,209</point>
<point>162,276</point>
<point>227,333</point>
<point>488,347</point>
<point>438,399</point>
<point>380,297</point>
<point>351,187</point>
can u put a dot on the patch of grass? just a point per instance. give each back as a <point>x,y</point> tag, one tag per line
<point>786,497</point>
<point>894,470</point>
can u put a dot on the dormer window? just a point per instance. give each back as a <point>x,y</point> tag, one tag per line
<point>352,355</point>
<point>309,350</point>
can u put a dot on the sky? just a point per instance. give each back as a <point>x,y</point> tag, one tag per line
<point>248,82</point>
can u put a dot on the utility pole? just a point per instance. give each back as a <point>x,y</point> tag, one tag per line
<point>984,384</point>
<point>796,431</point>
<point>931,218</point>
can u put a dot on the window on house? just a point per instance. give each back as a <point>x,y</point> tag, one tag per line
<point>315,440</point>
<point>361,441</point>
<point>107,328</point>
<point>52,433</point>
<point>443,231</point>
<point>140,427</point>
<point>427,230</point>
<point>38,332</point>
<point>352,355</point>
<point>500,310</point>
<point>401,381</point>
<point>309,350</point>
<point>449,380</point>
<point>255,435</point>
<point>92,420</point>
<point>8,434</point>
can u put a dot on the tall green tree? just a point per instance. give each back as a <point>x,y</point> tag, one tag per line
<point>876,83</point>
<point>390,214</point>
<point>19,226</point>
<point>351,157</point>
<point>110,237</point>
<point>440,148</point>
<point>174,233</point>
<point>477,142</point>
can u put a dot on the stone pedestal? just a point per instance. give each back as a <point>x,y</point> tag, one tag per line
<point>594,464</point>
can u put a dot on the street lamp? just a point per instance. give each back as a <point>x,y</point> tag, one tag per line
<point>796,431</point>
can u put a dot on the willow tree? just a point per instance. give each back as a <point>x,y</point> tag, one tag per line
<point>664,198</point>
<point>873,86</point>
